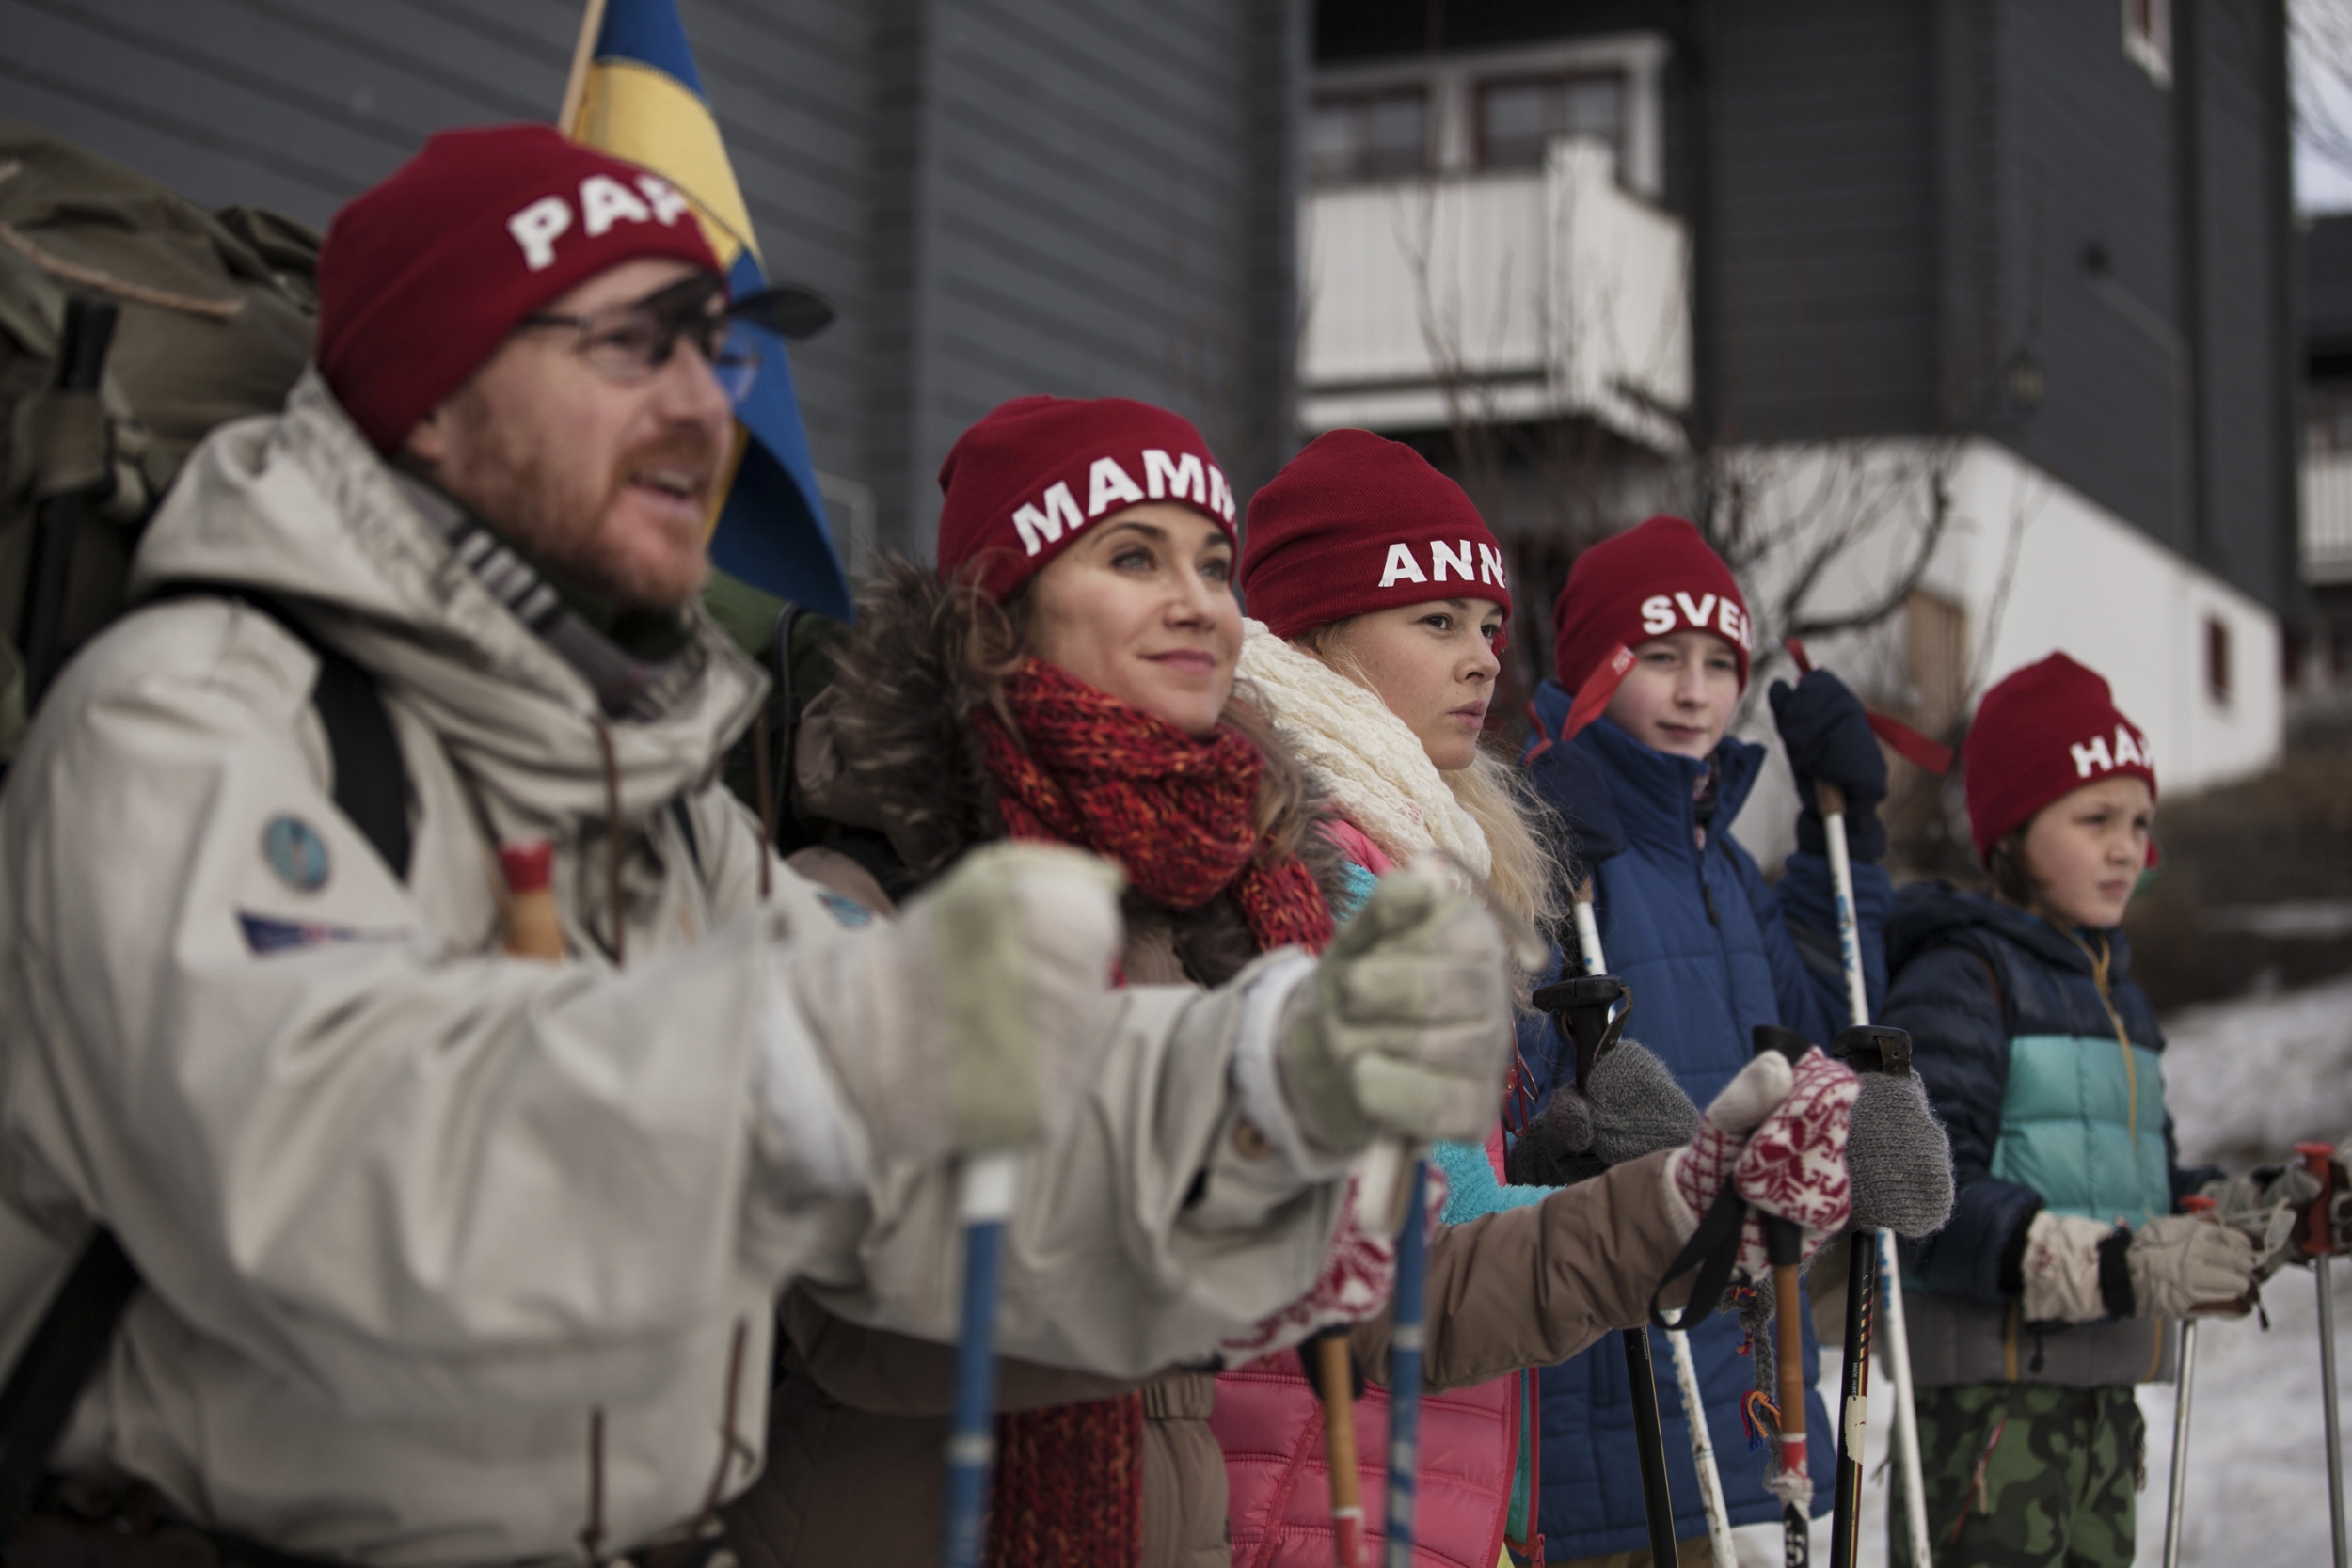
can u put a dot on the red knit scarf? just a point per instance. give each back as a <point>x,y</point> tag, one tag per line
<point>1179,817</point>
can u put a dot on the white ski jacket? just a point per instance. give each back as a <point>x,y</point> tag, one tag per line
<point>415,1218</point>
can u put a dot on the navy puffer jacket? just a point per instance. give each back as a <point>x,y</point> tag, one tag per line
<point>2014,1029</point>
<point>1710,950</point>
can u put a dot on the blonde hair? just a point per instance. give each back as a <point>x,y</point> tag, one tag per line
<point>1521,831</point>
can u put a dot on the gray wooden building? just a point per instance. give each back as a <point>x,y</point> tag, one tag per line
<point>1001,196</point>
<point>2063,225</point>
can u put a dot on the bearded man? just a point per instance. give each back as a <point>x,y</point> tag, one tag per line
<point>451,1255</point>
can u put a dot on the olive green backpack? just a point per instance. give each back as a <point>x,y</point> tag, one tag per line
<point>214,321</point>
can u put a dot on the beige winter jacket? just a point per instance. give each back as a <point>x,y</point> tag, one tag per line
<point>415,1219</point>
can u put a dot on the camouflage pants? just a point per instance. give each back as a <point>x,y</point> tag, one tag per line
<point>2027,1475</point>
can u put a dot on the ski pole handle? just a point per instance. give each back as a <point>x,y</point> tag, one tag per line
<point>2320,1160</point>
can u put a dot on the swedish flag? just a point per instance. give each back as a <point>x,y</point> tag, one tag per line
<point>636,94</point>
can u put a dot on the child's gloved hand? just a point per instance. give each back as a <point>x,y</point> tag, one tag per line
<point>1829,741</point>
<point>1778,1133</point>
<point>1632,1107</point>
<point>2265,1207</point>
<point>2078,1271</point>
<point>1900,1157</point>
<point>2184,1265</point>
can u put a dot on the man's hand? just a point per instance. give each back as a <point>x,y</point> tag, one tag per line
<point>2078,1271</point>
<point>972,1023</point>
<point>1406,1025</point>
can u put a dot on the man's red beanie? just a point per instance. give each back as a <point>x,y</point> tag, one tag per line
<point>424,275</point>
<point>1023,482</point>
<point>1356,523</point>
<point>1648,581</point>
<point>2043,732</point>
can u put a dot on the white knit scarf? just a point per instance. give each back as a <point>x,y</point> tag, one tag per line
<point>1362,755</point>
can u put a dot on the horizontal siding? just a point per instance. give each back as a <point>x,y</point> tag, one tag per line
<point>2246,536</point>
<point>2084,153</point>
<point>1088,215</point>
<point>1823,268</point>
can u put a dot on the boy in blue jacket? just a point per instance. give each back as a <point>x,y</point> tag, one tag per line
<point>1653,635</point>
<point>2046,1298</point>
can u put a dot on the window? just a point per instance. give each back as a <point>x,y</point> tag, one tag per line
<point>1368,135</point>
<point>2148,37</point>
<point>1518,120</point>
<point>2218,660</point>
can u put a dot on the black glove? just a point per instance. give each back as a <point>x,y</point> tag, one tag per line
<point>1898,1158</point>
<point>1829,740</point>
<point>1565,779</point>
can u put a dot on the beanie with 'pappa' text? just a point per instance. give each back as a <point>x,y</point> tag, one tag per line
<point>424,275</point>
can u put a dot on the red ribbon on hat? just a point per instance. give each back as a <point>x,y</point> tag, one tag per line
<point>1907,743</point>
<point>1592,699</point>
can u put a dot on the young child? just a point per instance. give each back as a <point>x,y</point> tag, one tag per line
<point>1709,949</point>
<point>2034,1312</point>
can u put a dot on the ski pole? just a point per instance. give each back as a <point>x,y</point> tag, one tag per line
<point>1404,1353</point>
<point>1830,801</point>
<point>1660,1504</point>
<point>2180,1417</point>
<point>2320,1243</point>
<point>1865,1048</point>
<point>1336,1379</point>
<point>1784,1249</point>
<point>991,1183</point>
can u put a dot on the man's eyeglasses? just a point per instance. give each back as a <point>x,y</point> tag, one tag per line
<point>631,342</point>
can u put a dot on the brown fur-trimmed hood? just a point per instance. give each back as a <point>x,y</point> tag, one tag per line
<point>889,747</point>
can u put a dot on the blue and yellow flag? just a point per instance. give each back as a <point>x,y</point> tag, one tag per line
<point>642,99</point>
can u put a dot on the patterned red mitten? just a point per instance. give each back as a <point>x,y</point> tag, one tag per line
<point>1358,1275</point>
<point>1793,1165</point>
<point>1697,1171</point>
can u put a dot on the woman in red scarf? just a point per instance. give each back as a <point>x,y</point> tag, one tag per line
<point>1068,673</point>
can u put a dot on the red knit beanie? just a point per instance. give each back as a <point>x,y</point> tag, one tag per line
<point>1026,480</point>
<point>424,275</point>
<point>1356,523</point>
<point>1648,581</point>
<point>2045,731</point>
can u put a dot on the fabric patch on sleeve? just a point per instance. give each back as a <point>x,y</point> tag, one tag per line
<point>847,911</point>
<point>266,934</point>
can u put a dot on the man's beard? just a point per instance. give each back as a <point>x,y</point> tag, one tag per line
<point>556,515</point>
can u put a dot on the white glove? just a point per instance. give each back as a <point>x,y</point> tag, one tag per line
<point>2185,1265</point>
<point>973,1022</point>
<point>1406,1026</point>
<point>2264,1208</point>
<point>2169,1268</point>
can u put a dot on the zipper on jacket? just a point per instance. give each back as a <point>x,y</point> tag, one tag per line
<point>1706,894</point>
<point>2099,965</point>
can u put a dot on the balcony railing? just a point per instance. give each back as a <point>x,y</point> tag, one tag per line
<point>1446,299</point>
<point>2328,517</point>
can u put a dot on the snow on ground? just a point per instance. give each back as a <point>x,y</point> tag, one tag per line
<point>2246,1080</point>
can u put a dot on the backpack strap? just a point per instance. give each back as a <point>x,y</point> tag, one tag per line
<point>55,1365</point>
<point>371,777</point>
<point>77,1330</point>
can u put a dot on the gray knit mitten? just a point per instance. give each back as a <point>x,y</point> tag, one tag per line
<point>1637,1108</point>
<point>1632,1106</point>
<point>1899,1158</point>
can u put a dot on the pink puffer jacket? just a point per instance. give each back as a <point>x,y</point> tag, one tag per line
<point>1270,1425</point>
